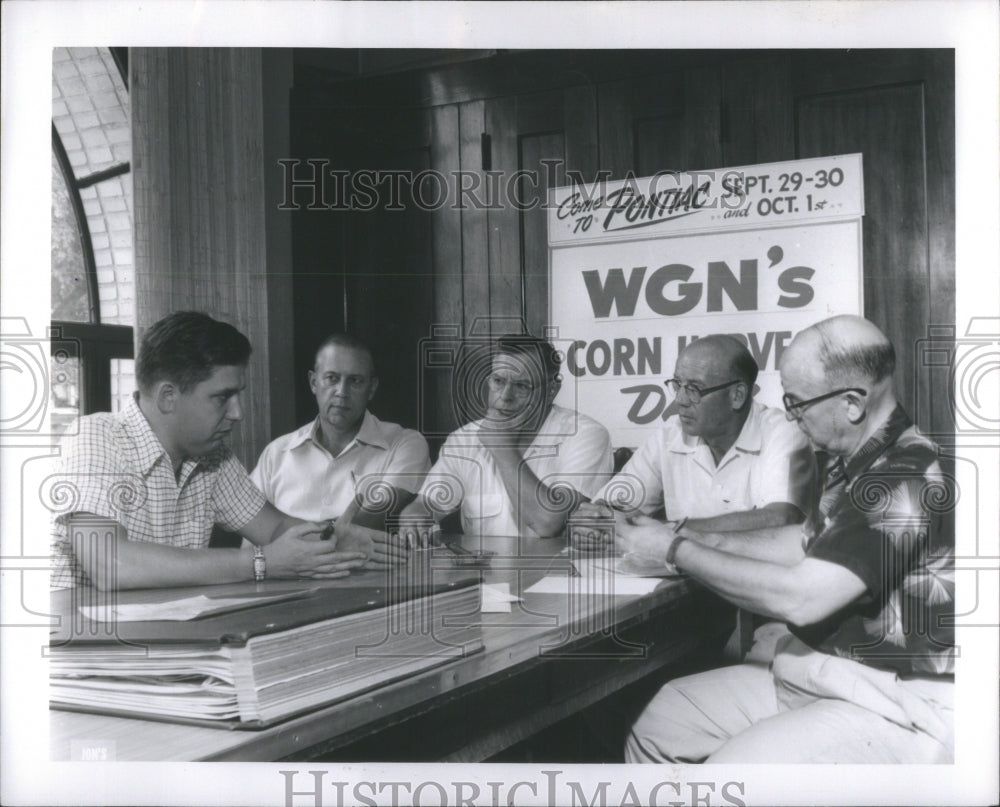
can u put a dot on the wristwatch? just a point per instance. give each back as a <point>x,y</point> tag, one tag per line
<point>259,565</point>
<point>672,549</point>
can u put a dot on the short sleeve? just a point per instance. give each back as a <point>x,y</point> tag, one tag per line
<point>640,483</point>
<point>787,466</point>
<point>409,462</point>
<point>94,476</point>
<point>585,460</point>
<point>451,478</point>
<point>878,527</point>
<point>263,472</point>
<point>89,478</point>
<point>236,500</point>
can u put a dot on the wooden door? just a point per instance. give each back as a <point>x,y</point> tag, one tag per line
<point>895,107</point>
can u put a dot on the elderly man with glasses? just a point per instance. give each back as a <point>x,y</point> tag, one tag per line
<point>722,462</point>
<point>865,672</point>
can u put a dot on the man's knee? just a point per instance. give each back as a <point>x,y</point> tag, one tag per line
<point>664,731</point>
<point>690,717</point>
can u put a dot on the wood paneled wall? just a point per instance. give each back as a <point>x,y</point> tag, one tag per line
<point>198,172</point>
<point>638,111</point>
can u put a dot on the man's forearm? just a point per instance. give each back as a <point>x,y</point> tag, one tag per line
<point>782,545</point>
<point>800,594</point>
<point>536,505</point>
<point>771,515</point>
<point>136,564</point>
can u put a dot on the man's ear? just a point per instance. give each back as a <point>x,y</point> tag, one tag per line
<point>165,394</point>
<point>856,406</point>
<point>553,388</point>
<point>738,395</point>
<point>312,381</point>
<point>371,392</point>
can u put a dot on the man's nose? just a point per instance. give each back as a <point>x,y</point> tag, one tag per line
<point>234,409</point>
<point>507,390</point>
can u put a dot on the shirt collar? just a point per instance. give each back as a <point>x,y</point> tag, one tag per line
<point>557,423</point>
<point>749,439</point>
<point>304,434</point>
<point>552,425</point>
<point>887,434</point>
<point>370,433</point>
<point>146,446</point>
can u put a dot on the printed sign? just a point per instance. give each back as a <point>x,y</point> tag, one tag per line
<point>627,295</point>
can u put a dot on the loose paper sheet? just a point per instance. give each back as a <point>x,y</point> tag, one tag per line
<point>178,610</point>
<point>602,585</point>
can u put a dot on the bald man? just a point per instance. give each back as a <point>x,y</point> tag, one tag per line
<point>865,672</point>
<point>723,462</point>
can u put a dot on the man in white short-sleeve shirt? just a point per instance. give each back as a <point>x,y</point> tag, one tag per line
<point>723,461</point>
<point>526,465</point>
<point>346,459</point>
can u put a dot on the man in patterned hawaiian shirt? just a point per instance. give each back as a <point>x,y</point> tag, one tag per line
<point>865,672</point>
<point>162,471</point>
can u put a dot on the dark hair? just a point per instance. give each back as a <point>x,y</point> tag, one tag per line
<point>740,361</point>
<point>348,341</point>
<point>744,366</point>
<point>539,349</point>
<point>185,347</point>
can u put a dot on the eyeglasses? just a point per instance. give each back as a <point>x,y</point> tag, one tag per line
<point>796,408</point>
<point>521,389</point>
<point>695,393</point>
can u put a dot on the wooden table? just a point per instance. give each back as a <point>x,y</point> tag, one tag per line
<point>551,656</point>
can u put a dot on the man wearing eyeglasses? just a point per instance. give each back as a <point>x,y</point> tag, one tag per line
<point>522,468</point>
<point>722,462</point>
<point>865,674</point>
<point>346,465</point>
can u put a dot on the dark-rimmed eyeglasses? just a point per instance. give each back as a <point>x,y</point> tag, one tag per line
<point>796,408</point>
<point>695,393</point>
<point>520,389</point>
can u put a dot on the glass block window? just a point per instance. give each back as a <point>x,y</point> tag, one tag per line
<point>93,280</point>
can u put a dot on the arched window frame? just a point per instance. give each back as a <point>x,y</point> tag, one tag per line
<point>96,343</point>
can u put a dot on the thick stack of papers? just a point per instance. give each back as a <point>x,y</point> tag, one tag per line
<point>255,670</point>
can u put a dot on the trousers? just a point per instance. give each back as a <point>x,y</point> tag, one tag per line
<point>801,706</point>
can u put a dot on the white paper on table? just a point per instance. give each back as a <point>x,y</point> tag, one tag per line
<point>179,610</point>
<point>602,585</point>
<point>497,598</point>
<point>628,565</point>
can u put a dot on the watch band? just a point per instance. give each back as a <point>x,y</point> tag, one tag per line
<point>259,565</point>
<point>672,549</point>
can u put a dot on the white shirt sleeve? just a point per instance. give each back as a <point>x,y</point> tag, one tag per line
<point>409,463</point>
<point>585,461</point>
<point>263,471</point>
<point>786,469</point>
<point>639,485</point>
<point>450,480</point>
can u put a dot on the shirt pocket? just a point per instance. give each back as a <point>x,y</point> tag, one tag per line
<point>733,495</point>
<point>490,505</point>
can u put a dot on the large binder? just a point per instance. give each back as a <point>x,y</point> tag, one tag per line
<point>258,665</point>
